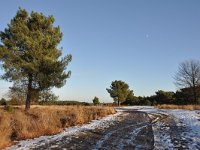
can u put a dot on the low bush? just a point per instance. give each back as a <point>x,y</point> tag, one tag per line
<point>9,108</point>
<point>3,101</point>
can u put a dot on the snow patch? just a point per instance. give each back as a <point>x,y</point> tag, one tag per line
<point>191,121</point>
<point>188,121</point>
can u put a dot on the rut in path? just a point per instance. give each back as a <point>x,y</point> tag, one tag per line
<point>132,130</point>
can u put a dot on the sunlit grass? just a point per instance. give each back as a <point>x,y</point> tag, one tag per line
<point>188,107</point>
<point>45,120</point>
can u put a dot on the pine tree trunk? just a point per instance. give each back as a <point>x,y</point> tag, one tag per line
<point>29,93</point>
<point>118,103</point>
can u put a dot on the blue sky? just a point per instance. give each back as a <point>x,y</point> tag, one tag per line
<point>138,41</point>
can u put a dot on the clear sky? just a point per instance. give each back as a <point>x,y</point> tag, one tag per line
<point>138,41</point>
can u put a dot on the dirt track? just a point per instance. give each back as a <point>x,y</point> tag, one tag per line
<point>132,130</point>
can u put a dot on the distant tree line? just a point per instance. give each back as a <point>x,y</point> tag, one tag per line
<point>187,80</point>
<point>180,97</point>
<point>6,102</point>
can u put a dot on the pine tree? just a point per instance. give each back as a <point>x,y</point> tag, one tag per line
<point>96,101</point>
<point>119,91</point>
<point>29,53</point>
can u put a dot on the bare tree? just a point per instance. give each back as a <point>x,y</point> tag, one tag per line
<point>188,76</point>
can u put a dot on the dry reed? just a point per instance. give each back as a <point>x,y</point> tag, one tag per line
<point>188,107</point>
<point>45,120</point>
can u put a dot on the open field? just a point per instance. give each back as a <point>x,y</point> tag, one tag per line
<point>188,107</point>
<point>137,127</point>
<point>15,124</point>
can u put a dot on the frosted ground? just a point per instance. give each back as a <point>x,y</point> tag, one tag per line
<point>188,122</point>
<point>162,129</point>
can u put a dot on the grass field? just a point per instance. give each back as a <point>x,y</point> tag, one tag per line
<point>15,124</point>
<point>188,107</point>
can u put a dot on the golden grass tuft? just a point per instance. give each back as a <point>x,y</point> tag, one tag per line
<point>188,107</point>
<point>45,120</point>
<point>5,128</point>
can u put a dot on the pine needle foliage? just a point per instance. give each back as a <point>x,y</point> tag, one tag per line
<point>29,53</point>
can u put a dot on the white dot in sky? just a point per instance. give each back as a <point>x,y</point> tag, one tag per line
<point>147,36</point>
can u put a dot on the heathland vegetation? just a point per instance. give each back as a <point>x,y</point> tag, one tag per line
<point>17,124</point>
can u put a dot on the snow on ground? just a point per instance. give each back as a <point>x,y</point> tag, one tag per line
<point>31,143</point>
<point>162,138</point>
<point>186,120</point>
<point>134,108</point>
<point>190,120</point>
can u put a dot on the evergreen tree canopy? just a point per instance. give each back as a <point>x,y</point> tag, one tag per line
<point>164,97</point>
<point>29,53</point>
<point>96,101</point>
<point>119,91</point>
<point>131,99</point>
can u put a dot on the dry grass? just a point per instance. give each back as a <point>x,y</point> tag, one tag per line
<point>188,107</point>
<point>45,120</point>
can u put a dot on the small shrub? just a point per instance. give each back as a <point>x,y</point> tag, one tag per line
<point>9,108</point>
<point>96,101</point>
<point>3,101</point>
